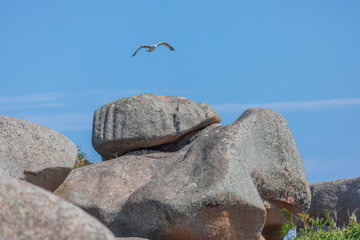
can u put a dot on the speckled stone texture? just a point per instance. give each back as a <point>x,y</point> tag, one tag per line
<point>266,146</point>
<point>29,212</point>
<point>35,153</point>
<point>145,121</point>
<point>341,196</point>
<point>109,184</point>
<point>227,182</point>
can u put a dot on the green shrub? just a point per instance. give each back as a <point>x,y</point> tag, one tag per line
<point>289,224</point>
<point>82,160</point>
<point>313,229</point>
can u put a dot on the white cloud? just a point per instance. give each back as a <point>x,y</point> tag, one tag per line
<point>62,121</point>
<point>60,99</point>
<point>32,98</point>
<point>295,105</point>
<point>19,107</point>
<point>33,101</point>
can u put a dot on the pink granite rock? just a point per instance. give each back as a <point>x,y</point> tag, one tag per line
<point>29,212</point>
<point>34,153</point>
<point>145,121</point>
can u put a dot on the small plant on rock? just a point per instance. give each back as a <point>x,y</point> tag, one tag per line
<point>289,224</point>
<point>82,160</point>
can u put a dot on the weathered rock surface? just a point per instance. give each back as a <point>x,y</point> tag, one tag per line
<point>103,188</point>
<point>340,196</point>
<point>225,176</point>
<point>145,121</point>
<point>266,145</point>
<point>29,212</point>
<point>34,153</point>
<point>227,182</point>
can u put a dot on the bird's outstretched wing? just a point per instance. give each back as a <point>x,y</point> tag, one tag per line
<point>166,44</point>
<point>143,46</point>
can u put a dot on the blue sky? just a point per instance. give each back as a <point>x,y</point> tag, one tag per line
<point>61,60</point>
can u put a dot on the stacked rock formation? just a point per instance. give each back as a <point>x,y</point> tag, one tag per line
<point>173,172</point>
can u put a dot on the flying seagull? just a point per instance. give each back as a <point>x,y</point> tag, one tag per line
<point>152,47</point>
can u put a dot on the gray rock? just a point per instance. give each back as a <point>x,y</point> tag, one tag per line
<point>95,188</point>
<point>231,170</point>
<point>227,182</point>
<point>341,197</point>
<point>103,188</point>
<point>267,147</point>
<point>206,195</point>
<point>35,153</point>
<point>29,212</point>
<point>145,121</point>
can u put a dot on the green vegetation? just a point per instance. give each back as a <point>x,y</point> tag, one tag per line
<point>319,228</point>
<point>82,160</point>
